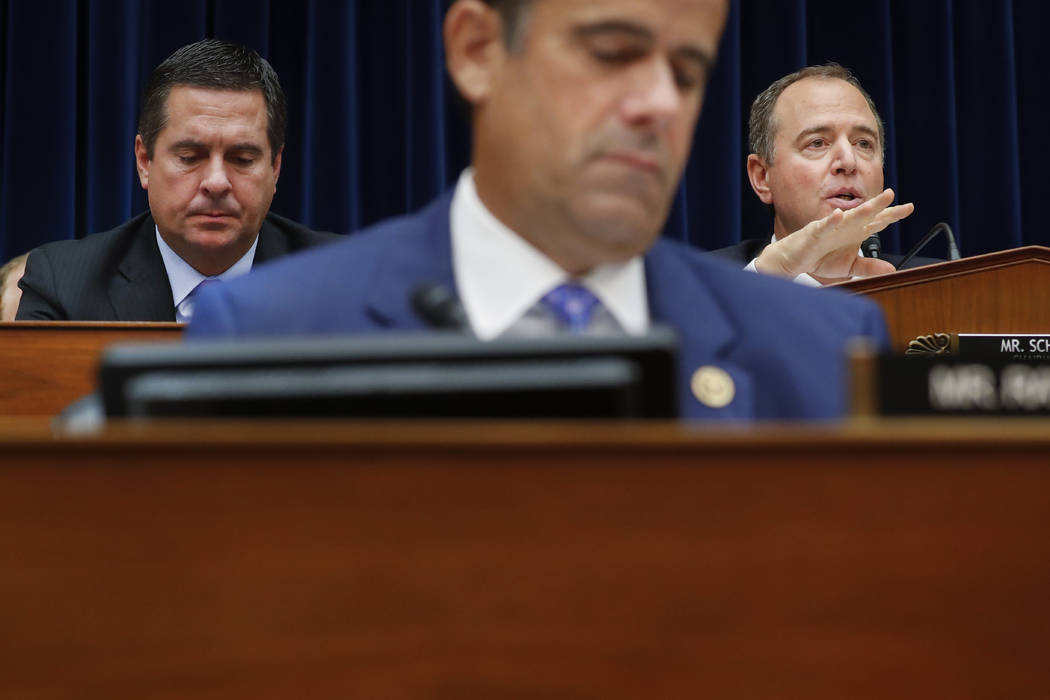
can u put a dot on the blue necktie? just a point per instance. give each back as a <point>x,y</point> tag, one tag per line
<point>573,304</point>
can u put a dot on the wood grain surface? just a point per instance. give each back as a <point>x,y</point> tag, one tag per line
<point>46,365</point>
<point>504,560</point>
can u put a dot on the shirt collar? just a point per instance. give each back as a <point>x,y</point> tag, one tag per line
<point>500,276</point>
<point>184,278</point>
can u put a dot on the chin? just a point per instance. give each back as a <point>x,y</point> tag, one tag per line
<point>619,239</point>
<point>214,238</point>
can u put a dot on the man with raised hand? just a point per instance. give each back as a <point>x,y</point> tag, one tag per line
<point>817,145</point>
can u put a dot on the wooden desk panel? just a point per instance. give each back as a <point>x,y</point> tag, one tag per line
<point>46,365</point>
<point>1006,291</point>
<point>411,560</point>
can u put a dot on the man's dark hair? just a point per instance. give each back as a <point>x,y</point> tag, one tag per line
<point>762,129</point>
<point>513,14</point>
<point>217,64</point>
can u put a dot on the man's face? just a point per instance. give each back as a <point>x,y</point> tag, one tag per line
<point>826,153</point>
<point>585,127</point>
<point>212,176</point>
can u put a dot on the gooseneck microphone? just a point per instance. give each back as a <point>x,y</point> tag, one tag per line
<point>953,249</point>
<point>440,307</point>
<point>872,246</point>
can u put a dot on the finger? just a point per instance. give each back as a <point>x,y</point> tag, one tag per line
<point>877,203</point>
<point>815,230</point>
<point>889,216</point>
<point>866,213</point>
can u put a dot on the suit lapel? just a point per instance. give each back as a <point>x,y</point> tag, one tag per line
<point>423,255</point>
<point>682,298</point>
<point>141,292</point>
<point>272,244</point>
<point>678,297</point>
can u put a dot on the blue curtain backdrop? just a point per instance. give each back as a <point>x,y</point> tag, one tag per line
<point>374,131</point>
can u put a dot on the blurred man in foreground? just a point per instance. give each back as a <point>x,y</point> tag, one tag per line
<point>583,113</point>
<point>208,154</point>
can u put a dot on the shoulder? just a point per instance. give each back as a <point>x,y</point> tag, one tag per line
<point>297,235</point>
<point>97,246</point>
<point>748,296</point>
<point>353,251</point>
<point>785,344</point>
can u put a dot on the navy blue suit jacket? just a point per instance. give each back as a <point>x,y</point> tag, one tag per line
<point>782,343</point>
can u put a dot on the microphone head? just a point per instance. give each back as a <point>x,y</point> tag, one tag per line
<point>439,307</point>
<point>872,246</point>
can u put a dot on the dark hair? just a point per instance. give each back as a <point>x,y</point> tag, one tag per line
<point>513,14</point>
<point>761,127</point>
<point>213,63</point>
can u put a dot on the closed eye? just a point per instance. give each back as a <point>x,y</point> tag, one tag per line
<point>616,54</point>
<point>689,74</point>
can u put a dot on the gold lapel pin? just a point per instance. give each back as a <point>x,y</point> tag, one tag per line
<point>713,387</point>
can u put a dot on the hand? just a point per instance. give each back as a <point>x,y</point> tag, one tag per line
<point>827,248</point>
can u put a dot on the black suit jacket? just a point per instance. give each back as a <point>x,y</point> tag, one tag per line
<point>747,250</point>
<point>119,275</point>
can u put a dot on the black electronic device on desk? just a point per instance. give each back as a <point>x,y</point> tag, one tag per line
<point>425,375</point>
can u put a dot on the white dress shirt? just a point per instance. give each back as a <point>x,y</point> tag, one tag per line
<point>501,277</point>
<point>184,278</point>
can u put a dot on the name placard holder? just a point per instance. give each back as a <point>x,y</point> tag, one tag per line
<point>964,374</point>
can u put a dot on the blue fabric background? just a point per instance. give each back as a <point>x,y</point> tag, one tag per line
<point>373,129</point>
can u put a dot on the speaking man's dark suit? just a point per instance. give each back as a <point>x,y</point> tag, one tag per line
<point>781,343</point>
<point>750,248</point>
<point>119,275</point>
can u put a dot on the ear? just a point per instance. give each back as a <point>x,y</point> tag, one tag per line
<point>473,48</point>
<point>758,174</point>
<point>142,162</point>
<point>277,167</point>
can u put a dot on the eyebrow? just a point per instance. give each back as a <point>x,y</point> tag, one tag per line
<point>191,144</point>
<point>186,144</point>
<point>820,128</point>
<point>616,26</point>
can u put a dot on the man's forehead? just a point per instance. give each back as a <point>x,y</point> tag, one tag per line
<point>815,101</point>
<point>677,23</point>
<point>203,108</point>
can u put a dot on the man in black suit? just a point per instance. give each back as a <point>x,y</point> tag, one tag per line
<point>208,154</point>
<point>817,145</point>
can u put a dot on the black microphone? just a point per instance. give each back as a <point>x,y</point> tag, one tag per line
<point>872,246</point>
<point>953,249</point>
<point>440,307</point>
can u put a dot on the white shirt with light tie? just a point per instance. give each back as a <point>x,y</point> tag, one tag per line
<point>184,278</point>
<point>501,278</point>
